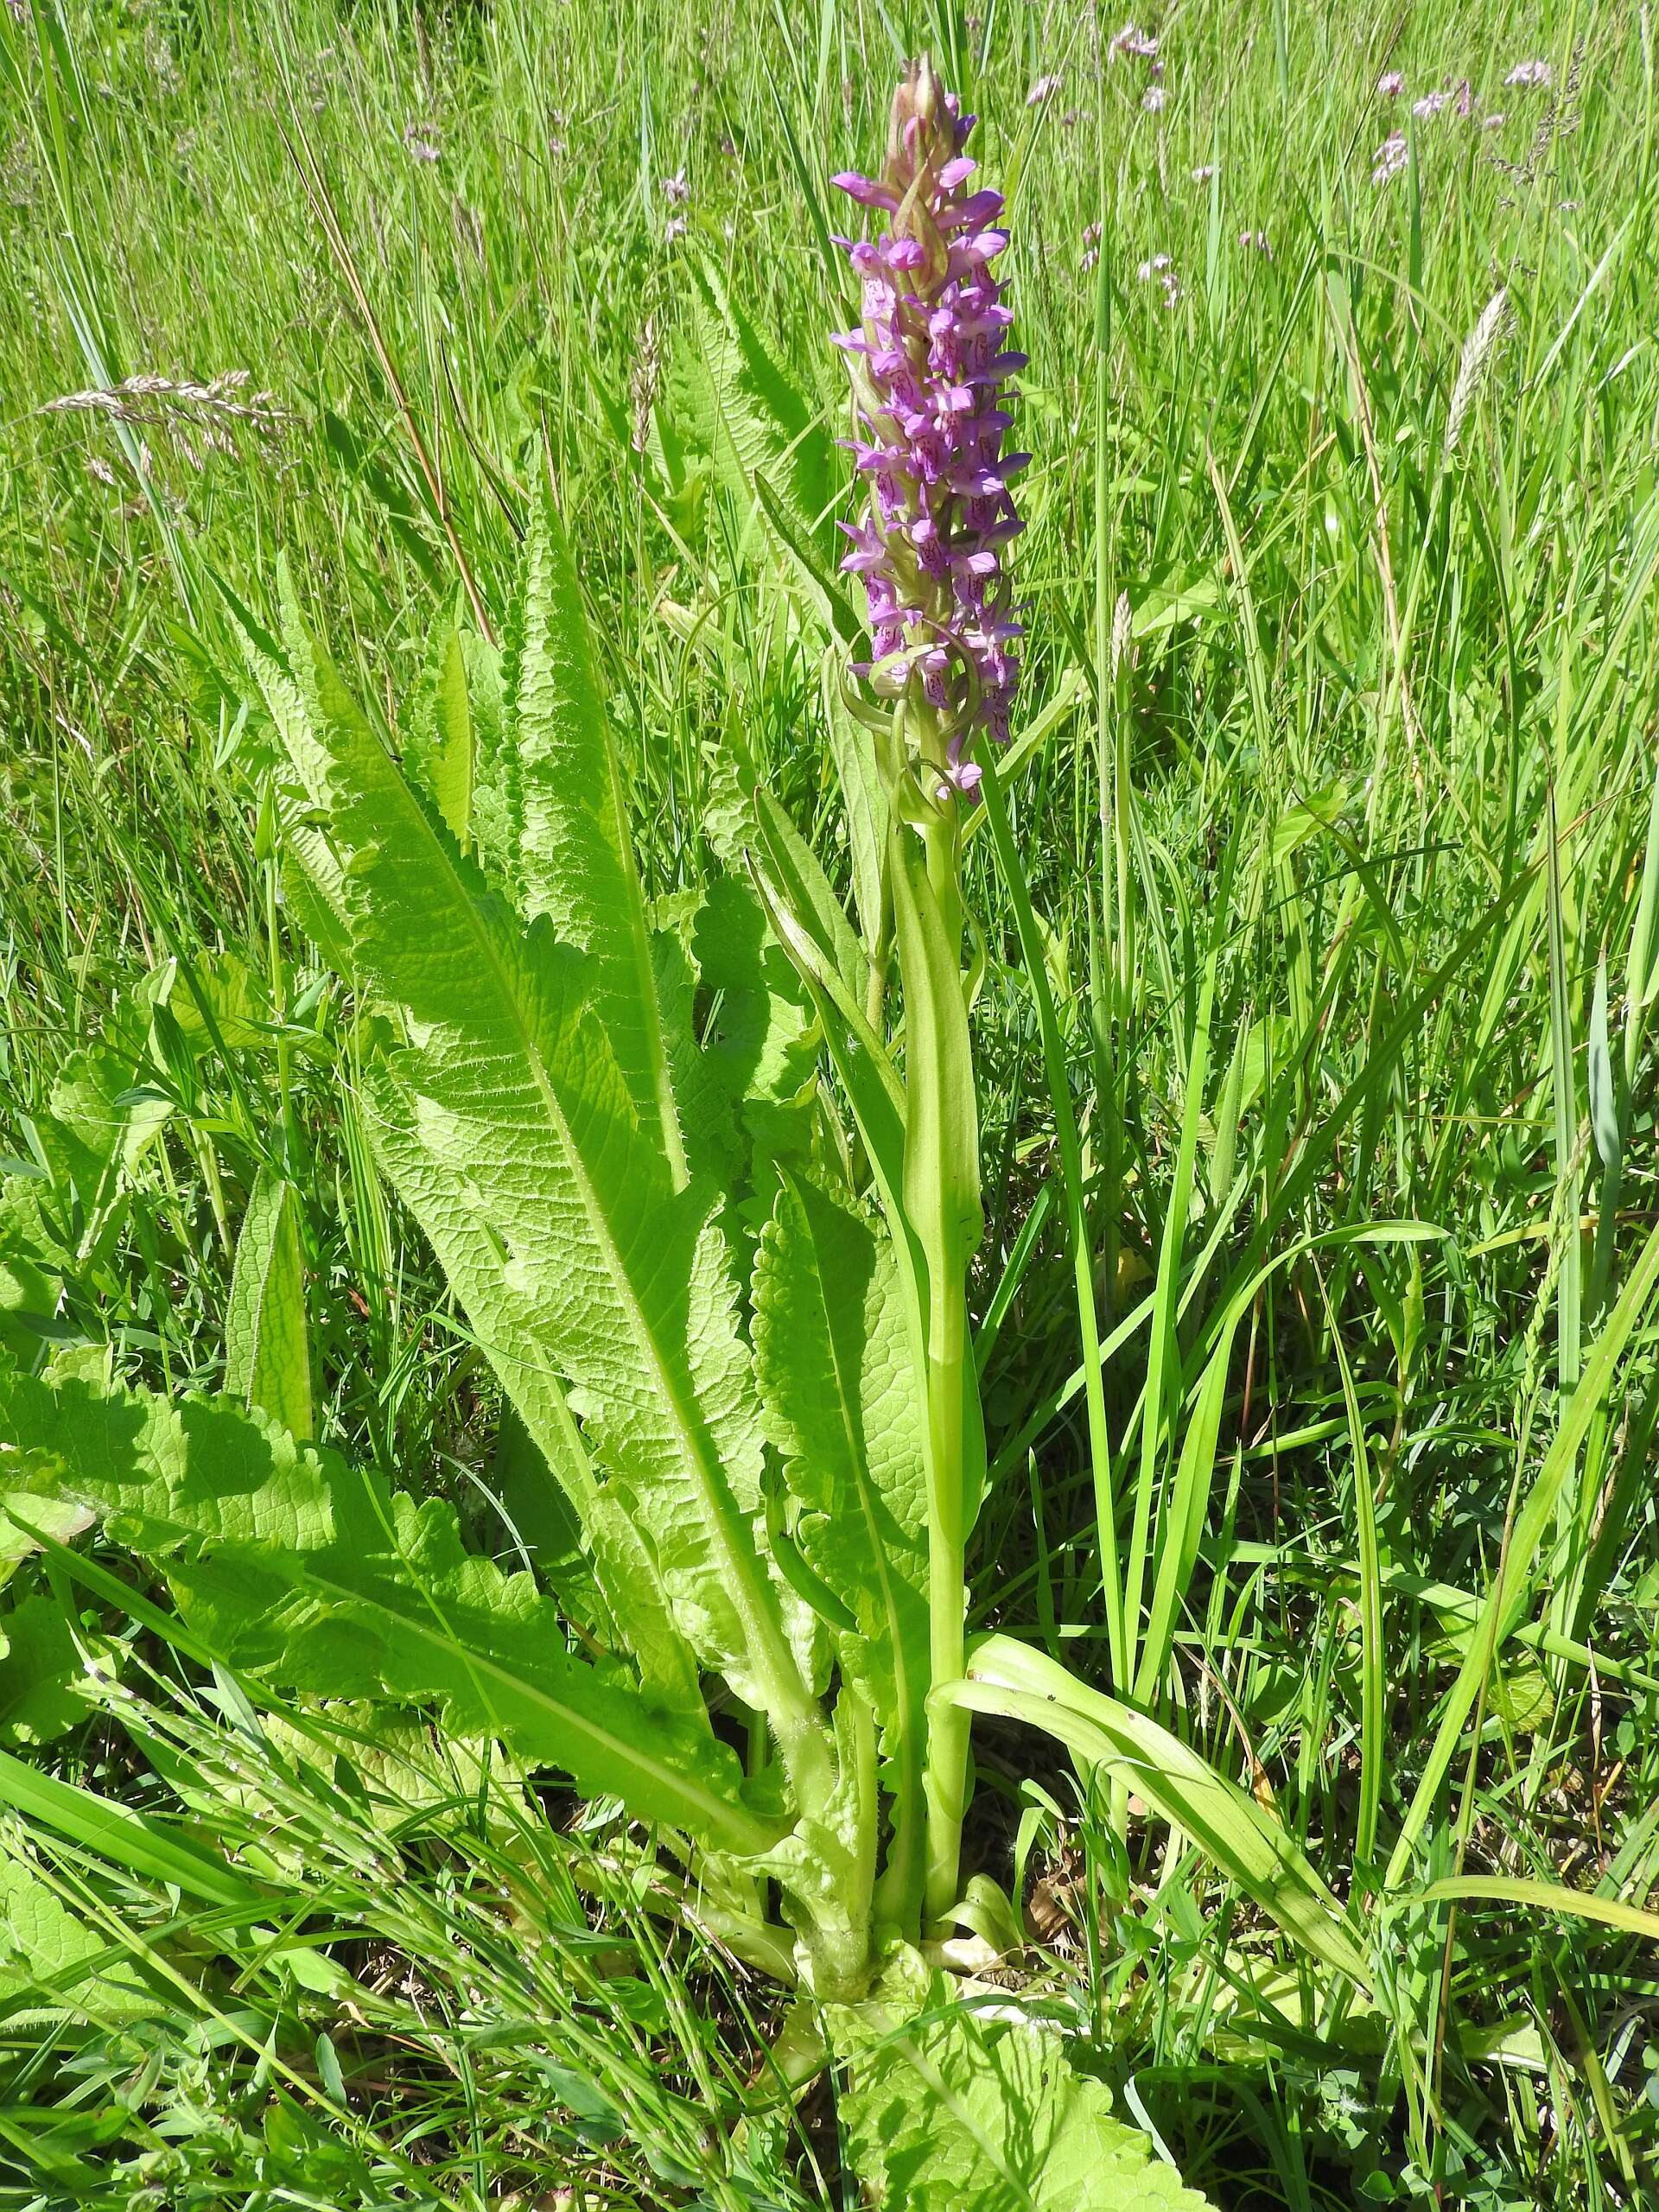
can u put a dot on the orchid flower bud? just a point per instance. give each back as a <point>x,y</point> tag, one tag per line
<point>929,372</point>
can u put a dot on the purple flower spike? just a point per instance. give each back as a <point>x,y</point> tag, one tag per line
<point>929,369</point>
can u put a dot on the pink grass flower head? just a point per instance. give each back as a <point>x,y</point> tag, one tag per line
<point>1389,158</point>
<point>1526,73</point>
<point>1390,85</point>
<point>1132,41</point>
<point>930,374</point>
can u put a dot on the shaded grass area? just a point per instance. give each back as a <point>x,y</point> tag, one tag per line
<point>1341,861</point>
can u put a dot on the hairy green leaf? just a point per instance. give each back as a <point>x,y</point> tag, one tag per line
<point>532,1157</point>
<point>491,823</point>
<point>948,2111</point>
<point>30,1272</point>
<point>760,1046</point>
<point>40,1669</point>
<point>576,863</point>
<point>287,1560</point>
<point>441,746</point>
<point>747,415</point>
<point>267,1343</point>
<point>833,1360</point>
<point>49,1953</point>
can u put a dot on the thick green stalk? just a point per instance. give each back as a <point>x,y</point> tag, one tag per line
<point>941,1191</point>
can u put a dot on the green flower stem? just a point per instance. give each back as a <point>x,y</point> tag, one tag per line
<point>941,1196</point>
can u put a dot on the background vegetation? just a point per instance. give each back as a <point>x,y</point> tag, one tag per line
<point>1345,871</point>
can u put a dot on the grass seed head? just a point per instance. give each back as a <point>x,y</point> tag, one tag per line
<point>1478,349</point>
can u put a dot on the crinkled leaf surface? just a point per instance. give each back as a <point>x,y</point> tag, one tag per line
<point>516,1142</point>
<point>39,1671</point>
<point>948,2111</point>
<point>743,412</point>
<point>286,1560</point>
<point>575,857</point>
<point>51,1959</point>
<point>267,1340</point>
<point>833,1362</point>
<point>761,1044</point>
<point>441,746</point>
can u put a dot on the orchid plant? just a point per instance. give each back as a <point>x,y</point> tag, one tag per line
<point>704,1180</point>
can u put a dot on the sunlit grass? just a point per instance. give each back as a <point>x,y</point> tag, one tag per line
<point>1368,793</point>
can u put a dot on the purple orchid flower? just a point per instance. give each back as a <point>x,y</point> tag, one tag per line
<point>929,372</point>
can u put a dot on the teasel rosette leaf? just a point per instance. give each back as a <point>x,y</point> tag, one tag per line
<point>506,1120</point>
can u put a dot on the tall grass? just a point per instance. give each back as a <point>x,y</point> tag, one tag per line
<point>1321,1100</point>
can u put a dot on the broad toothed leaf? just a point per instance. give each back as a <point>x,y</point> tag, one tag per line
<point>286,1560</point>
<point>493,823</point>
<point>267,1346</point>
<point>575,859</point>
<point>828,1862</point>
<point>761,1047</point>
<point>442,746</point>
<point>746,1082</point>
<point>833,1362</point>
<point>748,416</point>
<point>517,1144</point>
<point>949,2111</point>
<point>41,1670</point>
<point>51,1960</point>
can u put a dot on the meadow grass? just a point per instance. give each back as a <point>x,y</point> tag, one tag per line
<point>1334,853</point>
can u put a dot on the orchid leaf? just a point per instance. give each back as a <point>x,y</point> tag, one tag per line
<point>1245,1841</point>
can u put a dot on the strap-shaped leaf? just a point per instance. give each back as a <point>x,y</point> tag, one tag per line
<point>575,858</point>
<point>287,1560</point>
<point>748,827</point>
<point>1006,1677</point>
<point>511,1093</point>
